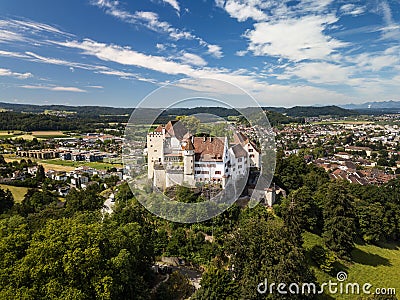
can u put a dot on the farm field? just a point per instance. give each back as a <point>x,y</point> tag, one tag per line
<point>48,134</point>
<point>18,192</point>
<point>31,135</point>
<point>379,266</point>
<point>9,133</point>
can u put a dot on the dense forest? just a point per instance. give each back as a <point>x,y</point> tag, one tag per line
<point>32,122</point>
<point>86,123</point>
<point>74,251</point>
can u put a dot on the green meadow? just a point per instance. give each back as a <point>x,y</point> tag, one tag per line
<point>377,265</point>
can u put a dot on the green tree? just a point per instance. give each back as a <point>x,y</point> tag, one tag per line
<point>76,258</point>
<point>87,199</point>
<point>40,174</point>
<point>177,287</point>
<point>217,283</point>
<point>305,208</point>
<point>6,200</point>
<point>263,249</point>
<point>339,219</point>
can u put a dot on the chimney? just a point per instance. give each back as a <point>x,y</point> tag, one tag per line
<point>192,139</point>
<point>210,139</point>
<point>204,139</point>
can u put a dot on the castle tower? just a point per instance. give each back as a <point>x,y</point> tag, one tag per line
<point>155,147</point>
<point>188,158</point>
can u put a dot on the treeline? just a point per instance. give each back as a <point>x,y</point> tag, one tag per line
<point>85,111</point>
<point>314,111</point>
<point>95,111</point>
<point>81,122</point>
<point>36,122</point>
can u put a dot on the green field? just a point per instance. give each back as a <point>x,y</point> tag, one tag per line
<point>379,266</point>
<point>18,192</point>
<point>68,163</point>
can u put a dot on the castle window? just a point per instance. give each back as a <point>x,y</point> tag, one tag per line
<point>239,159</point>
<point>250,150</point>
<point>217,172</point>
<point>251,155</point>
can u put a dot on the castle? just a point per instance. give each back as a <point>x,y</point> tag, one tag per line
<point>175,157</point>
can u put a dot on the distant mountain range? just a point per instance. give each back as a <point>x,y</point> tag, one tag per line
<point>376,105</point>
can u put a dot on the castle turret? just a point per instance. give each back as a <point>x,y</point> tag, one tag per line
<point>188,158</point>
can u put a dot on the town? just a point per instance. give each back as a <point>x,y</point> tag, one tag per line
<point>358,151</point>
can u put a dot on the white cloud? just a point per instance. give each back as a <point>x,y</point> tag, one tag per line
<point>294,39</point>
<point>151,21</point>
<point>7,36</point>
<point>95,86</point>
<point>192,59</point>
<point>374,62</point>
<point>312,6</point>
<point>55,88</point>
<point>274,94</point>
<point>174,4</point>
<point>267,10</point>
<point>12,54</point>
<point>74,65</point>
<point>241,52</point>
<point>126,75</point>
<point>9,73</point>
<point>126,56</point>
<point>161,47</point>
<point>18,30</point>
<point>392,29</point>
<point>37,27</point>
<point>320,72</point>
<point>352,9</point>
<point>215,50</point>
<point>242,10</point>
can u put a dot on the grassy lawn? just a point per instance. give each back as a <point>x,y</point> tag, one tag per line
<point>75,164</point>
<point>18,192</point>
<point>379,266</point>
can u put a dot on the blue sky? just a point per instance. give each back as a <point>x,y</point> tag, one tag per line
<point>284,53</point>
